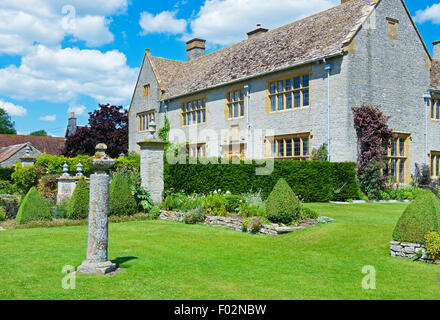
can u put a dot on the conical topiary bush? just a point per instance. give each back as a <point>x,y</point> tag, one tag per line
<point>79,203</point>
<point>419,218</point>
<point>33,208</point>
<point>282,206</point>
<point>122,201</point>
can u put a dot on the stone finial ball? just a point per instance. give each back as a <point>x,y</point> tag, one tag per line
<point>101,147</point>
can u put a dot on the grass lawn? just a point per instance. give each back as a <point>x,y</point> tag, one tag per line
<point>166,260</point>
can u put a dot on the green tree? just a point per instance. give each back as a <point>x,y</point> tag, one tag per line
<point>320,154</point>
<point>34,208</point>
<point>79,204</point>
<point>282,205</point>
<point>39,133</point>
<point>122,200</point>
<point>6,124</point>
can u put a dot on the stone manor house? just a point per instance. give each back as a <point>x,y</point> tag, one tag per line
<point>301,81</point>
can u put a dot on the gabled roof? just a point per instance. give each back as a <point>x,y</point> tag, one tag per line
<point>49,145</point>
<point>435,74</point>
<point>321,35</point>
<point>7,152</point>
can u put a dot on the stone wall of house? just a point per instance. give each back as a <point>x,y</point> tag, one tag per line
<point>408,250</point>
<point>231,222</point>
<point>143,104</point>
<point>12,161</point>
<point>393,73</point>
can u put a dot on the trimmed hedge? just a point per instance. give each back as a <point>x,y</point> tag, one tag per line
<point>122,201</point>
<point>78,207</point>
<point>312,181</point>
<point>34,208</point>
<point>282,206</point>
<point>420,218</point>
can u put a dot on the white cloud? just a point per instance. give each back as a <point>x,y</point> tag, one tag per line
<point>26,22</point>
<point>61,75</point>
<point>12,109</point>
<point>79,110</point>
<point>49,118</point>
<point>223,22</point>
<point>164,22</point>
<point>431,13</point>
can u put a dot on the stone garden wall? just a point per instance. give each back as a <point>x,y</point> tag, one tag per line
<point>235,223</point>
<point>408,250</point>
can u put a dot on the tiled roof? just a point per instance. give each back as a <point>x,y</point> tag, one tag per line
<point>318,36</point>
<point>49,145</point>
<point>7,152</point>
<point>435,74</point>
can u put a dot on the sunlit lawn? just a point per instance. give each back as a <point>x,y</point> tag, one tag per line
<point>166,260</point>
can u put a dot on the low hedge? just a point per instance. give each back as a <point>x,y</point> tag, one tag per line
<point>312,181</point>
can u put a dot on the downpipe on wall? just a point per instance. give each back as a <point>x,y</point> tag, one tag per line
<point>328,67</point>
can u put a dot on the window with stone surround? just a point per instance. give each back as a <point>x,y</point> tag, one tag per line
<point>435,164</point>
<point>435,109</point>
<point>144,119</point>
<point>289,93</point>
<point>392,25</point>
<point>296,146</point>
<point>146,90</point>
<point>193,112</point>
<point>396,160</point>
<point>197,150</point>
<point>235,104</point>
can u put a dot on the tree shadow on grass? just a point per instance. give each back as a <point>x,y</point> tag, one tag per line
<point>121,260</point>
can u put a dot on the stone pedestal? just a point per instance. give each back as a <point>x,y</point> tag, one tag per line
<point>66,186</point>
<point>97,257</point>
<point>152,151</point>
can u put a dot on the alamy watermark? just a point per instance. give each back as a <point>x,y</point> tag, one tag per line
<point>369,281</point>
<point>68,282</point>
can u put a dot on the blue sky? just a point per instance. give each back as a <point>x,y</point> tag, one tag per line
<point>58,56</point>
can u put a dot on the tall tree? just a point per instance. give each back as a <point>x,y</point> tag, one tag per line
<point>6,124</point>
<point>109,125</point>
<point>39,133</point>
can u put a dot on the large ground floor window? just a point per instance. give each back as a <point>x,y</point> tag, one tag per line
<point>235,150</point>
<point>396,160</point>
<point>294,146</point>
<point>435,164</point>
<point>197,150</point>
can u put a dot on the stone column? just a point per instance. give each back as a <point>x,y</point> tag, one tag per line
<point>152,152</point>
<point>97,259</point>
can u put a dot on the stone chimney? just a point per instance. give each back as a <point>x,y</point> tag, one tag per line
<point>195,48</point>
<point>71,126</point>
<point>436,50</point>
<point>257,31</point>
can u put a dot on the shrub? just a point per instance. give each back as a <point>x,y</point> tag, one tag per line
<point>2,213</point>
<point>154,213</point>
<point>255,224</point>
<point>320,154</point>
<point>194,217</point>
<point>250,210</point>
<point>25,177</point>
<point>407,193</point>
<point>33,208</point>
<point>432,241</point>
<point>6,187</point>
<point>313,181</point>
<point>122,201</point>
<point>307,213</point>
<point>419,218</point>
<point>79,203</point>
<point>6,173</point>
<point>61,210</point>
<point>215,204</point>
<point>244,225</point>
<point>181,202</point>
<point>233,202</point>
<point>255,199</point>
<point>371,180</point>
<point>282,206</point>
<point>142,197</point>
<point>48,186</point>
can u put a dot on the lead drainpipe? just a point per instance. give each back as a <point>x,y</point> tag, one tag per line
<point>248,123</point>
<point>328,67</point>
<point>427,98</point>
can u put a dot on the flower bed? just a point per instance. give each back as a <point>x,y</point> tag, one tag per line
<point>235,223</point>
